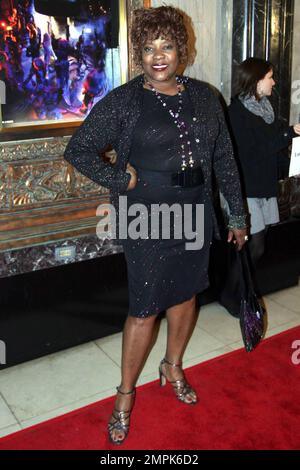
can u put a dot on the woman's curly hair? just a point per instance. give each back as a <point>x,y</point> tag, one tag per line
<point>151,23</point>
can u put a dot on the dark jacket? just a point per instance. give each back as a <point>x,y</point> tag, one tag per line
<point>259,149</point>
<point>112,121</point>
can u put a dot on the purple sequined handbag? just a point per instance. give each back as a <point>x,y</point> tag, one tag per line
<point>252,313</point>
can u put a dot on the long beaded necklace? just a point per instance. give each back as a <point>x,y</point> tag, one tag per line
<point>186,148</point>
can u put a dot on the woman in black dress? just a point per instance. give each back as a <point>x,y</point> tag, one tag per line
<point>169,133</point>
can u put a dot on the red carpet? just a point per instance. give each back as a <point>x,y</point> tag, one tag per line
<point>248,401</point>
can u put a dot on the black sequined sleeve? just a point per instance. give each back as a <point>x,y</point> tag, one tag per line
<point>227,174</point>
<point>99,129</point>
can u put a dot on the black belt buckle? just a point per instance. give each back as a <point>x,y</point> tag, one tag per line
<point>188,178</point>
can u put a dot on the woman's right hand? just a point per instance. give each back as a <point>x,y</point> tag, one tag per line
<point>133,180</point>
<point>297,129</point>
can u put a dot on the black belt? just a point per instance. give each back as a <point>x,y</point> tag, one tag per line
<point>188,178</point>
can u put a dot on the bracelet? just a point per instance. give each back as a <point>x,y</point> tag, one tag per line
<point>237,222</point>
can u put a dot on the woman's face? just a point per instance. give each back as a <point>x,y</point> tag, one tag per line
<point>265,86</point>
<point>160,60</point>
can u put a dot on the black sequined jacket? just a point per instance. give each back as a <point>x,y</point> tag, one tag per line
<point>112,121</point>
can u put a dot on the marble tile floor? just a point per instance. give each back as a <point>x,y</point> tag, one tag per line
<point>56,384</point>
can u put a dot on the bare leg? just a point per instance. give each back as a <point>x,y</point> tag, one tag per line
<point>137,339</point>
<point>181,319</point>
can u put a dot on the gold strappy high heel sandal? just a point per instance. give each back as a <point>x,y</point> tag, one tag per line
<point>121,422</point>
<point>181,387</point>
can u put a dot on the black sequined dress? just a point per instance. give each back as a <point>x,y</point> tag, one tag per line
<point>163,272</point>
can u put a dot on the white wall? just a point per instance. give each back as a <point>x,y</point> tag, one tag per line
<point>212,22</point>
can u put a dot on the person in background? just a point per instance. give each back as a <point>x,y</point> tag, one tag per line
<point>259,139</point>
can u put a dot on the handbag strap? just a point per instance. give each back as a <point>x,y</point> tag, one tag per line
<point>247,284</point>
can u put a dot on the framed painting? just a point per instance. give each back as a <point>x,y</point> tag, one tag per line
<point>58,58</point>
<point>45,202</point>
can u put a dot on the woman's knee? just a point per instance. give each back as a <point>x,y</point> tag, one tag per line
<point>190,301</point>
<point>184,306</point>
<point>142,321</point>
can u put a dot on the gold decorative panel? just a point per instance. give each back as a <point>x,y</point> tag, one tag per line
<point>34,174</point>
